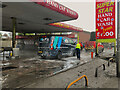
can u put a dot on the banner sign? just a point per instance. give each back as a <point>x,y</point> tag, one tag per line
<point>105,19</point>
<point>66,26</point>
<point>57,7</point>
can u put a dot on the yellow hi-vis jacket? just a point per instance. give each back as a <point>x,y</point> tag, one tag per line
<point>78,46</point>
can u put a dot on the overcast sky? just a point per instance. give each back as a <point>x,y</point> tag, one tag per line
<point>85,10</point>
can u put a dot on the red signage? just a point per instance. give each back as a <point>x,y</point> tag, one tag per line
<point>105,19</point>
<point>66,26</point>
<point>57,7</point>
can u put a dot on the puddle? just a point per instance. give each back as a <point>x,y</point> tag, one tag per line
<point>4,64</point>
<point>58,69</point>
<point>54,69</point>
<point>31,59</point>
<point>67,65</point>
<point>1,58</point>
<point>70,63</point>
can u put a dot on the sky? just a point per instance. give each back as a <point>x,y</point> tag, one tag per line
<point>85,10</point>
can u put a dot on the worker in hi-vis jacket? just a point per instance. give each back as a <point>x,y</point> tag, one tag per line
<point>78,48</point>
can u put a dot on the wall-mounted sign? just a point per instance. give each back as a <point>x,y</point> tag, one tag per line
<point>66,26</point>
<point>57,7</point>
<point>105,19</point>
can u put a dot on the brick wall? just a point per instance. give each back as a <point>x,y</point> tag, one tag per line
<point>84,36</point>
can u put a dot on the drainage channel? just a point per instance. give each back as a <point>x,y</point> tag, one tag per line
<point>8,68</point>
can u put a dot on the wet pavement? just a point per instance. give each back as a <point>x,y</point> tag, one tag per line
<point>106,78</point>
<point>108,52</point>
<point>23,72</point>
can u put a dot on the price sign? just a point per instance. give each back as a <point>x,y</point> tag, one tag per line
<point>105,19</point>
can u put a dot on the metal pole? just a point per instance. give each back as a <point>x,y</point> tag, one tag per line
<point>103,66</point>
<point>13,32</point>
<point>96,71</point>
<point>114,48</point>
<point>118,43</point>
<point>97,47</point>
<point>78,37</point>
<point>96,52</point>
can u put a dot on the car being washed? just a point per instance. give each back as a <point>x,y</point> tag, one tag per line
<point>91,45</point>
<point>55,46</point>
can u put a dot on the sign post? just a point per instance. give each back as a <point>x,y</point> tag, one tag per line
<point>105,21</point>
<point>118,42</point>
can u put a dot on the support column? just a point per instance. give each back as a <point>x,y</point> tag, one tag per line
<point>118,43</point>
<point>13,32</point>
<point>78,37</point>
